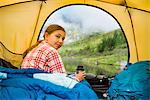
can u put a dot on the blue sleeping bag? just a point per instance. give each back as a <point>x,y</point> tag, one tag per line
<point>132,83</point>
<point>18,84</point>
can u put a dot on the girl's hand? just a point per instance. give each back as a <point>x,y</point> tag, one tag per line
<point>80,75</point>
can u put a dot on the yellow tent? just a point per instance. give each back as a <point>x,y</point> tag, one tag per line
<point>21,22</point>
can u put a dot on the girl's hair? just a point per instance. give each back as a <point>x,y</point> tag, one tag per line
<point>53,27</point>
<point>50,29</point>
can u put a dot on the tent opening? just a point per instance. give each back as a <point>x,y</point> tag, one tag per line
<point>94,39</point>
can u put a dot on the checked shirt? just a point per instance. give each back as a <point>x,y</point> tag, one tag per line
<point>44,57</point>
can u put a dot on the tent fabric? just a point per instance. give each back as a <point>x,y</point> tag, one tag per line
<point>22,20</point>
<point>10,57</point>
<point>6,64</point>
<point>18,24</point>
<point>129,85</point>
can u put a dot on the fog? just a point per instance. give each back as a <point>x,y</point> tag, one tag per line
<point>81,19</point>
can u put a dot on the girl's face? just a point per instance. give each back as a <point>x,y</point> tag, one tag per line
<point>55,39</point>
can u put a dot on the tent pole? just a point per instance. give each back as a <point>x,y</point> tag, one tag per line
<point>133,31</point>
<point>36,23</point>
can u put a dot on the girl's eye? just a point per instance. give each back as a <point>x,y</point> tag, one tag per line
<point>63,39</point>
<point>57,36</point>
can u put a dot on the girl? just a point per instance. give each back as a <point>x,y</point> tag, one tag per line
<point>44,55</point>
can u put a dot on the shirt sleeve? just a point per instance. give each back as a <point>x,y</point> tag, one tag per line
<point>55,63</point>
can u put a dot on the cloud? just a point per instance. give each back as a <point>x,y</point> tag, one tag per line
<point>83,19</point>
<point>91,18</point>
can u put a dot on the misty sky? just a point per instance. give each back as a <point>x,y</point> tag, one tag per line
<point>82,19</point>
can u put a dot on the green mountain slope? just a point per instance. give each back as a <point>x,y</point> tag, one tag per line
<point>100,53</point>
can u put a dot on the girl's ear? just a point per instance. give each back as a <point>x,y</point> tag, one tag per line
<point>46,35</point>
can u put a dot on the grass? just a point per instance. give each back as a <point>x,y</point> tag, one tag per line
<point>85,52</point>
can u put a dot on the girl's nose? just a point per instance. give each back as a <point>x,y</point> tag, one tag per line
<point>61,40</point>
